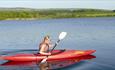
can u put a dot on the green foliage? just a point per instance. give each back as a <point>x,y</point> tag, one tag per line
<point>53,13</point>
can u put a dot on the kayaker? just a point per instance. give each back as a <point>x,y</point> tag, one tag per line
<point>45,45</point>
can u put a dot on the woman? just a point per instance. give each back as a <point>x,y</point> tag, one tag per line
<point>44,46</point>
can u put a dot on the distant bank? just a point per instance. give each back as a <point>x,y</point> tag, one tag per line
<point>31,14</point>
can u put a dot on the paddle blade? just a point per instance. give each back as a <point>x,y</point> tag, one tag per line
<point>44,60</point>
<point>62,35</point>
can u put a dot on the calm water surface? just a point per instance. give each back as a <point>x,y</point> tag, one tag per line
<point>83,33</point>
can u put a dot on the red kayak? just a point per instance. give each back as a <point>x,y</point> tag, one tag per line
<point>55,64</point>
<point>56,55</point>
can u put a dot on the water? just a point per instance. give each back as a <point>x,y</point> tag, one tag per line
<point>83,33</point>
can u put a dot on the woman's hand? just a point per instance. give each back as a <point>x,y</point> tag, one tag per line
<point>49,53</point>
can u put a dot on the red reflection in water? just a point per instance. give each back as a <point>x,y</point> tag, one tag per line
<point>54,64</point>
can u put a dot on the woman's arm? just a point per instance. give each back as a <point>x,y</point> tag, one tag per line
<point>45,53</point>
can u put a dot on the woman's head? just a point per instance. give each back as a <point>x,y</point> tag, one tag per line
<point>47,39</point>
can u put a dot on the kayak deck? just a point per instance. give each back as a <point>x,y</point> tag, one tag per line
<point>56,55</point>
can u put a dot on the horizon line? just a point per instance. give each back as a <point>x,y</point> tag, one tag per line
<point>50,8</point>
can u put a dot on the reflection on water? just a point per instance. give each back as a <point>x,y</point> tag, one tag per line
<point>44,66</point>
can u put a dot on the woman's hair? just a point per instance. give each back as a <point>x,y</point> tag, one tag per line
<point>46,37</point>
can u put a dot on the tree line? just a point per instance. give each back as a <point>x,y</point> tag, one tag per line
<point>53,13</point>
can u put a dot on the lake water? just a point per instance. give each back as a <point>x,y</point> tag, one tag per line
<point>83,33</point>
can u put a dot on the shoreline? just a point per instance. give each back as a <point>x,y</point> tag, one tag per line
<point>54,18</point>
<point>36,14</point>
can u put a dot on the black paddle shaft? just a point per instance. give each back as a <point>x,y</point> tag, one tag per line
<point>55,45</point>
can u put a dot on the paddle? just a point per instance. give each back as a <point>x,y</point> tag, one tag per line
<point>61,36</point>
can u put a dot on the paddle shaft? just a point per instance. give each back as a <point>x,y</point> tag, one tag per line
<point>55,45</point>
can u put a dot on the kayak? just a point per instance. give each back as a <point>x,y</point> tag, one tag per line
<point>56,55</point>
<point>55,64</point>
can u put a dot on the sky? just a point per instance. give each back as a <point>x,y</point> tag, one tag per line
<point>41,4</point>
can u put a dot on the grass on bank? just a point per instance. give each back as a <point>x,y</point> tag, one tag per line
<point>18,14</point>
